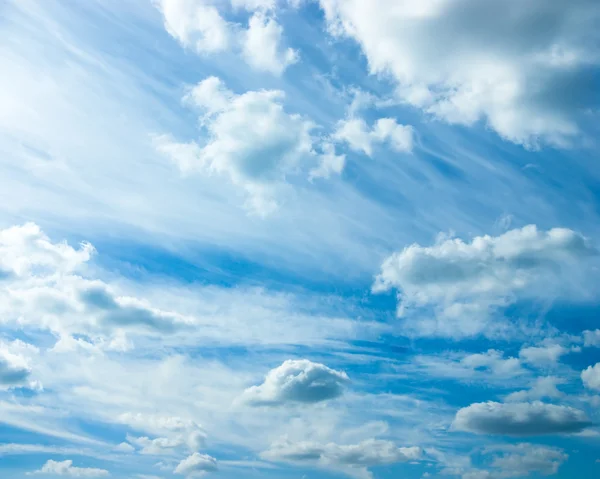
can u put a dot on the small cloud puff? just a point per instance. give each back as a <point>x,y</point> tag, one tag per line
<point>66,468</point>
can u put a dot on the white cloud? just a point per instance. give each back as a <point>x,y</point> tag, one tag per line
<point>465,283</point>
<point>520,419</point>
<point>297,381</point>
<point>357,134</point>
<point>156,446</point>
<point>125,448</point>
<point>262,45</point>
<point>353,459</point>
<point>66,468</point>
<point>591,377</point>
<point>251,140</point>
<point>544,355</point>
<point>201,26</point>
<point>196,24</point>
<point>196,465</point>
<point>528,79</point>
<point>330,163</point>
<point>521,460</point>
<point>14,369</point>
<point>542,388</point>
<point>591,338</point>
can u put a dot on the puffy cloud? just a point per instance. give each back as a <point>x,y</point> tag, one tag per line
<point>591,338</point>
<point>330,163</point>
<point>357,134</point>
<point>175,432</point>
<point>465,283</point>
<point>124,447</point>
<point>196,24</point>
<point>196,465</point>
<point>369,453</point>
<point>525,68</point>
<point>297,381</point>
<point>201,26</point>
<point>251,140</point>
<point>591,377</point>
<point>66,468</point>
<point>544,355</point>
<point>542,388</point>
<point>14,370</point>
<point>520,419</point>
<point>262,45</point>
<point>47,292</point>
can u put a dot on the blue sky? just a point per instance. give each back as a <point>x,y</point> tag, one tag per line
<point>299,239</point>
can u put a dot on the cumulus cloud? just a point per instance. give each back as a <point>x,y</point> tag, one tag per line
<point>359,137</point>
<point>250,139</point>
<point>175,432</point>
<point>520,419</point>
<point>48,290</point>
<point>262,45</point>
<point>201,26</point>
<point>544,355</point>
<point>591,377</point>
<point>591,338</point>
<point>125,448</point>
<point>465,282</point>
<point>521,460</point>
<point>542,388</point>
<point>66,468</point>
<point>196,465</point>
<point>330,163</point>
<point>526,69</point>
<point>14,370</point>
<point>297,381</point>
<point>357,457</point>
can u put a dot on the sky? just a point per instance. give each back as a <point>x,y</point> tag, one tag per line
<point>304,239</point>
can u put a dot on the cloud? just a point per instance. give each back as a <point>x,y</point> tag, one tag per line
<point>591,338</point>
<point>14,370</point>
<point>66,468</point>
<point>524,68</point>
<point>297,381</point>
<point>520,460</point>
<point>156,446</point>
<point>196,24</point>
<point>201,26</point>
<point>262,45</point>
<point>251,140</point>
<point>520,419</point>
<point>196,465</point>
<point>330,163</point>
<point>356,133</point>
<point>591,377</point>
<point>48,291</point>
<point>369,453</point>
<point>125,448</point>
<point>544,355</point>
<point>465,283</point>
<point>542,388</point>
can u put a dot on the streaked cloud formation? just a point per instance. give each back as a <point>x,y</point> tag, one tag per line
<point>299,239</point>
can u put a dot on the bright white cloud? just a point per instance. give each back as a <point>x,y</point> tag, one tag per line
<point>353,459</point>
<point>262,45</point>
<point>359,137</point>
<point>66,468</point>
<point>297,381</point>
<point>520,419</point>
<point>330,163</point>
<point>201,26</point>
<point>522,67</point>
<point>251,140</point>
<point>465,282</point>
<point>14,368</point>
<point>196,465</point>
<point>591,377</point>
<point>196,24</point>
<point>125,448</point>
